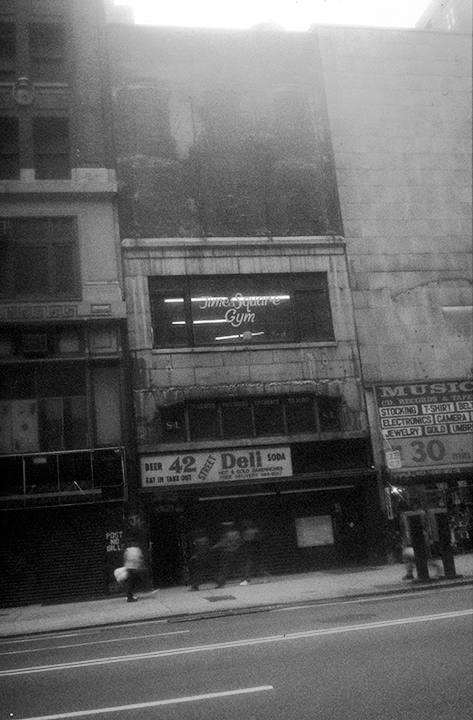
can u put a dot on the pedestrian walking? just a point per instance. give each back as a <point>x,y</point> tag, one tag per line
<point>250,552</point>
<point>134,563</point>
<point>226,551</point>
<point>199,562</point>
<point>408,554</point>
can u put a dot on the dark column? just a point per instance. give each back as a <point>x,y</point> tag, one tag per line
<point>446,552</point>
<point>419,546</point>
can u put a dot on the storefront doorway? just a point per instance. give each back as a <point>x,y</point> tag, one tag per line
<point>167,541</point>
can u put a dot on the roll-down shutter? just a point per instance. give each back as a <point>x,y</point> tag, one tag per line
<point>52,555</point>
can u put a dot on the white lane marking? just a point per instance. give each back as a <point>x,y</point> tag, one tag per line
<point>140,706</point>
<point>10,641</point>
<point>382,598</point>
<point>355,601</point>
<point>6,640</point>
<point>93,642</point>
<point>232,644</point>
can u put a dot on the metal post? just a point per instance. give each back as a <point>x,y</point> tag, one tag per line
<point>418,543</point>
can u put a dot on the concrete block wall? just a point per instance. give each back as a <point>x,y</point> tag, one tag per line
<point>162,377</point>
<point>399,106</point>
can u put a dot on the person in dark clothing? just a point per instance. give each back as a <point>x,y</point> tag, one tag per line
<point>226,551</point>
<point>250,552</point>
<point>199,562</point>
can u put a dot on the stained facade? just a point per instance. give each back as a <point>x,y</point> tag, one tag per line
<point>247,382</point>
<point>64,434</point>
<point>401,132</point>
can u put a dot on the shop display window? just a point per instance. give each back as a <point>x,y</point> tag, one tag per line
<point>300,414</point>
<point>268,415</point>
<point>172,424</point>
<point>234,309</point>
<point>237,419</point>
<point>248,417</point>
<point>330,417</point>
<point>204,420</point>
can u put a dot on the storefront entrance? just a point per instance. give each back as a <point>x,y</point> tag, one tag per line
<point>167,542</point>
<point>301,528</point>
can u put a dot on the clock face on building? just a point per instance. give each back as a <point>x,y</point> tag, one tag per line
<point>23,92</point>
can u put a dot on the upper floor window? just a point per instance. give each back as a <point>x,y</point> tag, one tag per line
<point>47,52</point>
<point>7,51</point>
<point>235,309</point>
<point>51,148</point>
<point>9,148</point>
<point>38,258</point>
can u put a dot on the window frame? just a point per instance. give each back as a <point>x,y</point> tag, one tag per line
<point>9,49</point>
<point>306,286</point>
<point>180,414</point>
<point>51,160</point>
<point>9,147</point>
<point>12,242</point>
<point>47,61</point>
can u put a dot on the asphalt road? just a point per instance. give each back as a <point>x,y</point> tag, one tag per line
<point>399,657</point>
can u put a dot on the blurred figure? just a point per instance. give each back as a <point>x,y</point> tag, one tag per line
<point>133,561</point>
<point>226,551</point>
<point>409,562</point>
<point>250,552</point>
<point>199,562</point>
<point>408,554</point>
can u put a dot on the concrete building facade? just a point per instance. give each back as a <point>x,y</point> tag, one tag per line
<point>239,156</point>
<point>65,437</point>
<point>399,105</point>
<point>247,382</point>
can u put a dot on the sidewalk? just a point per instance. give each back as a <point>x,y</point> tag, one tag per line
<point>178,603</point>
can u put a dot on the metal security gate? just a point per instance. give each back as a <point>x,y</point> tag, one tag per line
<point>301,529</point>
<point>267,513</point>
<point>52,555</point>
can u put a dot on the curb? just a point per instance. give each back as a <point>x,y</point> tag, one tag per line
<point>416,586</point>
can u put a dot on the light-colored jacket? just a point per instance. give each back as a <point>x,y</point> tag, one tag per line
<point>133,558</point>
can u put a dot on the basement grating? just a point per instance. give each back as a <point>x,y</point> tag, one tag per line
<point>219,598</point>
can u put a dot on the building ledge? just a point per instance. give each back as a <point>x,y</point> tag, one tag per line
<point>90,181</point>
<point>331,241</point>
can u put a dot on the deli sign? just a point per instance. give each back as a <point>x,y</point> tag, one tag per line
<point>214,467</point>
<point>429,423</point>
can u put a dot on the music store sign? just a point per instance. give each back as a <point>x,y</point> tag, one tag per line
<point>429,425</point>
<point>213,467</point>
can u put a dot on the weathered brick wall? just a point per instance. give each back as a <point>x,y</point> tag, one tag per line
<point>163,377</point>
<point>221,134</point>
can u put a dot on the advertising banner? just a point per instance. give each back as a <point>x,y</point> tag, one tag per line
<point>429,424</point>
<point>215,466</point>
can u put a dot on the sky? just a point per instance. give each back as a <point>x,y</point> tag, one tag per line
<point>288,14</point>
